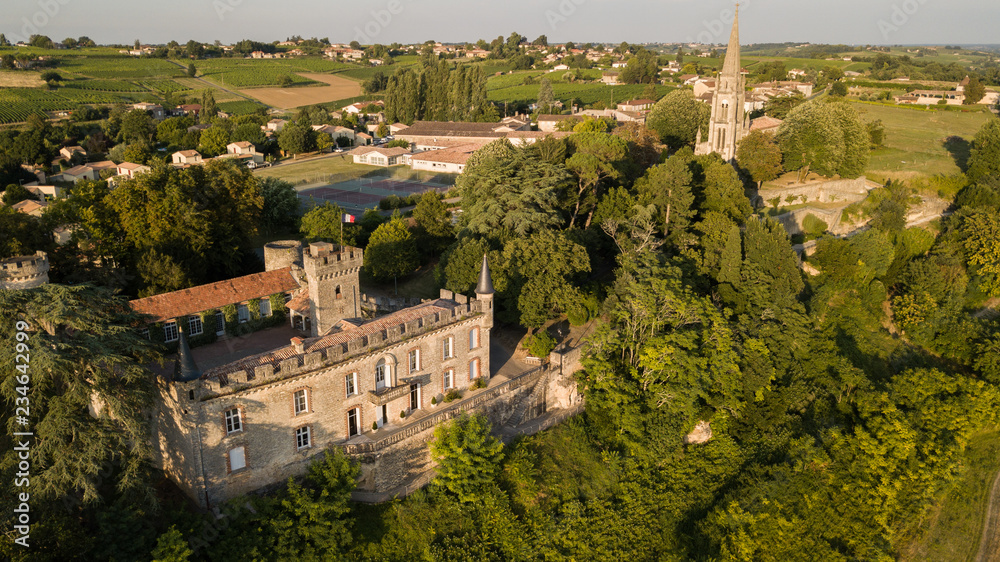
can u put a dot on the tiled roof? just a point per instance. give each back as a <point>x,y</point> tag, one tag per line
<point>189,153</point>
<point>389,152</point>
<point>131,166</point>
<point>457,155</point>
<point>28,206</point>
<point>313,345</point>
<point>556,117</point>
<point>299,303</point>
<point>77,171</point>
<point>765,122</point>
<point>216,295</point>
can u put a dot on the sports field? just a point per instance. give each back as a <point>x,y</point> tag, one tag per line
<point>358,194</point>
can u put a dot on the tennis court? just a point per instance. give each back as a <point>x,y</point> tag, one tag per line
<point>356,195</point>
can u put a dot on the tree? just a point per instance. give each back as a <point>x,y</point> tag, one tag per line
<point>247,132</point>
<point>828,138</point>
<point>975,91</point>
<point>281,205</point>
<point>540,269</point>
<point>312,522</point>
<point>137,126</point>
<point>391,251</point>
<point>214,140</point>
<point>296,139</point>
<point>677,117</point>
<point>51,76</point>
<point>982,243</point>
<point>838,89</point>
<point>642,68</point>
<point>171,547</point>
<point>597,158</point>
<point>86,354</point>
<point>668,186</point>
<point>984,160</point>
<point>512,189</point>
<point>3,41</point>
<point>382,131</point>
<point>191,70</point>
<point>15,193</point>
<point>759,154</point>
<point>468,456</point>
<point>209,109</point>
<point>324,222</point>
<point>546,98</point>
<point>432,215</point>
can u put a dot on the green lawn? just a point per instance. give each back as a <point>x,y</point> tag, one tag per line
<point>950,531</point>
<point>915,140</point>
<point>342,168</point>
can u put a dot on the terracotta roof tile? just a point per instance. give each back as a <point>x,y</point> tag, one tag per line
<point>216,295</point>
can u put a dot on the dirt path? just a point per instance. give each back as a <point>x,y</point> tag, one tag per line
<point>989,543</point>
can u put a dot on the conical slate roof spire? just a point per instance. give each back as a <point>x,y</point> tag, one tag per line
<point>731,66</point>
<point>485,286</point>
<point>187,369</point>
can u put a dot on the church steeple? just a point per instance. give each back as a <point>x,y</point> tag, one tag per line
<point>727,125</point>
<point>731,66</point>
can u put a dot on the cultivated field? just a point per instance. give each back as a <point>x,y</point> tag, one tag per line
<point>916,140</point>
<point>288,98</point>
<point>20,79</point>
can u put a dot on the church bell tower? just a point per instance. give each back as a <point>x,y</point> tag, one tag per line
<point>728,123</point>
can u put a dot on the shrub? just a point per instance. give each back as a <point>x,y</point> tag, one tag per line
<point>374,426</point>
<point>452,395</point>
<point>541,344</point>
<point>813,227</point>
<point>480,382</point>
<point>434,400</point>
<point>402,413</point>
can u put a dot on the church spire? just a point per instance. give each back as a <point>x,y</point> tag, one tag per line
<point>731,66</point>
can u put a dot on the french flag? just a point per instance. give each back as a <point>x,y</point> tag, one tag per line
<point>348,218</point>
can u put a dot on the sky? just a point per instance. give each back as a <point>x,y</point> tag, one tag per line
<point>412,21</point>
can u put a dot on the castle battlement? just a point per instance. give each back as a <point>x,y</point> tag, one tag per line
<point>335,349</point>
<point>24,272</point>
<point>324,258</point>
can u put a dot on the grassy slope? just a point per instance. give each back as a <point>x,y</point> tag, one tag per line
<point>915,139</point>
<point>951,529</point>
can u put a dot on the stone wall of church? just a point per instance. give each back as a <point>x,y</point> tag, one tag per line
<point>832,191</point>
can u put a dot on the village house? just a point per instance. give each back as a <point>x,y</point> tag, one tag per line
<point>765,124</point>
<point>378,156</point>
<point>549,123</point>
<point>155,109</point>
<point>431,135</point>
<point>68,152</point>
<point>129,169</point>
<point>187,158</point>
<point>30,207</point>
<point>636,105</point>
<point>91,171</point>
<point>610,78</point>
<point>275,125</point>
<point>191,109</point>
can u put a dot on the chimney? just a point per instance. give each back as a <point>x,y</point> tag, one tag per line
<point>299,345</point>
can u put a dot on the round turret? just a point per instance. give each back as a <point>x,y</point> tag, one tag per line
<point>281,254</point>
<point>24,272</point>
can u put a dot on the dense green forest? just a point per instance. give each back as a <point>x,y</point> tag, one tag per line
<point>840,403</point>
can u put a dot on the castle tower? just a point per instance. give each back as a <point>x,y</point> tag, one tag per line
<point>24,272</point>
<point>332,277</point>
<point>727,125</point>
<point>281,254</point>
<point>484,289</point>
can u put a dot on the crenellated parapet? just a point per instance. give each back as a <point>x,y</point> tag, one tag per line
<point>335,349</point>
<point>24,272</point>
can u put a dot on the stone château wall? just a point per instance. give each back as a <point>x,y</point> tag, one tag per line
<point>24,272</point>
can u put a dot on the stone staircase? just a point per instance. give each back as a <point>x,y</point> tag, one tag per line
<point>518,416</point>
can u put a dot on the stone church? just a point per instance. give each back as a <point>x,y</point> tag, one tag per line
<point>729,121</point>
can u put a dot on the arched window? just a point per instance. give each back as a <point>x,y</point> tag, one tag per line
<point>382,375</point>
<point>725,110</point>
<point>338,292</point>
